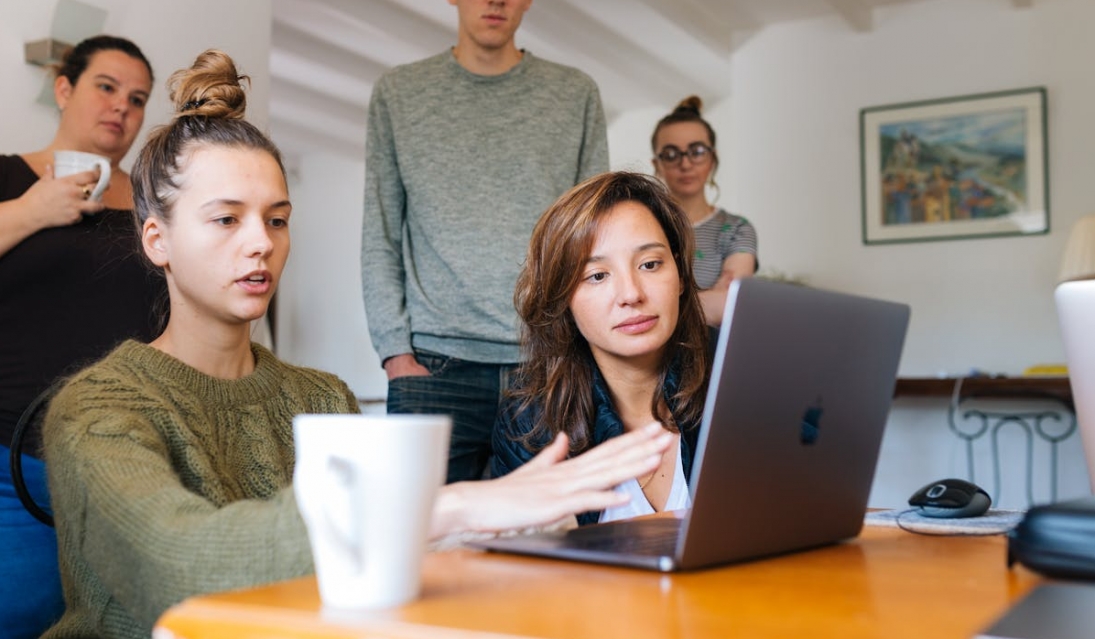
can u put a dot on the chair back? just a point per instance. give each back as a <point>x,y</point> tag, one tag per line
<point>31,418</point>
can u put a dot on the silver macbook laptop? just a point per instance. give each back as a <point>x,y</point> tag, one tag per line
<point>800,391</point>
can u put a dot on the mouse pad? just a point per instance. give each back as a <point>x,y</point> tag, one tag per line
<point>992,522</point>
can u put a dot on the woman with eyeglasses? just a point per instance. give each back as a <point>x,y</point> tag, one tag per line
<point>726,244</point>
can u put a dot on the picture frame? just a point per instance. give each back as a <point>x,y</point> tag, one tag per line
<point>955,168</point>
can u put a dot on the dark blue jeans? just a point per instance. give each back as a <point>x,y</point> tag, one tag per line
<point>30,582</point>
<point>468,391</point>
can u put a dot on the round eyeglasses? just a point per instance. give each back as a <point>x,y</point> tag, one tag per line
<point>697,152</point>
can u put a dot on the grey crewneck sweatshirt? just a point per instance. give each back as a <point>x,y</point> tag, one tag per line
<point>458,169</point>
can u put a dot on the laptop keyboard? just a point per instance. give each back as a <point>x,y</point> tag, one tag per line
<point>653,537</point>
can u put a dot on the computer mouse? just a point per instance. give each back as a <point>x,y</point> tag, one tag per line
<point>950,498</point>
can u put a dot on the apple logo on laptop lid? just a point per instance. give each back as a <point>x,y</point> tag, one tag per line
<point>809,430</point>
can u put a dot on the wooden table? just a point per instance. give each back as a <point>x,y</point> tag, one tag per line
<point>887,583</point>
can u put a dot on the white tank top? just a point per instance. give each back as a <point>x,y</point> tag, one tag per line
<point>638,505</point>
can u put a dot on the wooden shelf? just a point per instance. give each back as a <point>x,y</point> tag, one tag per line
<point>1002,386</point>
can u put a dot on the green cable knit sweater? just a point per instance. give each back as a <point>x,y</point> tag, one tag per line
<point>167,483</point>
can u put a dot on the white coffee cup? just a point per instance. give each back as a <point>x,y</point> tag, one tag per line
<point>68,162</point>
<point>365,486</point>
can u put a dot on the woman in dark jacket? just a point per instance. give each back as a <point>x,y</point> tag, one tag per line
<point>613,336</point>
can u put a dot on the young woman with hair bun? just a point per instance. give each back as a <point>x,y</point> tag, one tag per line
<point>726,244</point>
<point>170,463</point>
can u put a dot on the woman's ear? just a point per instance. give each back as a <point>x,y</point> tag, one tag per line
<point>154,242</point>
<point>657,171</point>
<point>62,91</point>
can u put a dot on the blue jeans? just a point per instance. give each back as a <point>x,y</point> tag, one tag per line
<point>30,581</point>
<point>468,391</point>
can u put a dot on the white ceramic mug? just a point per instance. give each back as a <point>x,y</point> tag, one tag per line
<point>69,162</point>
<point>365,486</point>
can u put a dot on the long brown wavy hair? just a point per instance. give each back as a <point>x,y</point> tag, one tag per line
<point>557,367</point>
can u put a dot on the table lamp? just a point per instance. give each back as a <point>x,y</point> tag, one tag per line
<point>1075,297</point>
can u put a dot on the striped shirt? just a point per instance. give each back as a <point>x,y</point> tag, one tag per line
<point>718,237</point>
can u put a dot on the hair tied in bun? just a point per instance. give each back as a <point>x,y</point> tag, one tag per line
<point>691,104</point>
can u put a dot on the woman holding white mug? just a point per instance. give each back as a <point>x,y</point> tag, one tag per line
<point>101,89</point>
<point>72,286</point>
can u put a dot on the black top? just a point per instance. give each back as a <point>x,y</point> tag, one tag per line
<point>68,295</point>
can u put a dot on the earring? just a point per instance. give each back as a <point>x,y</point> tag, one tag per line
<point>711,182</point>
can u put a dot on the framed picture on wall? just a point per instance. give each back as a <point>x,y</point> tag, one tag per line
<point>955,168</point>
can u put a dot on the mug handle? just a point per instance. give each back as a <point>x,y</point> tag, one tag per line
<point>104,179</point>
<point>342,479</point>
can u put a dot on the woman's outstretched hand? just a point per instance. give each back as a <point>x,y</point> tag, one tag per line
<point>550,487</point>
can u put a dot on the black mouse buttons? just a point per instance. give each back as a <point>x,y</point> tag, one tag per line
<point>936,491</point>
<point>951,498</point>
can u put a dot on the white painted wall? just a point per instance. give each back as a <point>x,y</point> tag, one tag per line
<point>321,316</point>
<point>171,35</point>
<point>792,154</point>
<point>795,157</point>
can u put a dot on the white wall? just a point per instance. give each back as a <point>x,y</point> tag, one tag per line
<point>792,152</point>
<point>171,35</point>
<point>798,89</point>
<point>321,316</point>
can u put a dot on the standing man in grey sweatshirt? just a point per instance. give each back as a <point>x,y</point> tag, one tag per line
<point>464,151</point>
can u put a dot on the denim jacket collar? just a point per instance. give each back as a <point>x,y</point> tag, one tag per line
<point>607,422</point>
